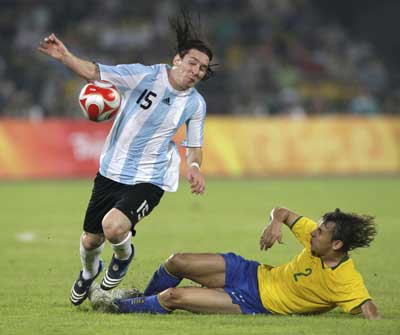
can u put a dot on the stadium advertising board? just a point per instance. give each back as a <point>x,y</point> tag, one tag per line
<point>233,147</point>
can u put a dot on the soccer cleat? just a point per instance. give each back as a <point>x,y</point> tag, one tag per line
<point>104,301</point>
<point>80,289</point>
<point>116,271</point>
<point>126,294</point>
<point>101,300</point>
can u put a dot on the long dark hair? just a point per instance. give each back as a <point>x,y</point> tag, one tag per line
<point>354,230</point>
<point>187,37</point>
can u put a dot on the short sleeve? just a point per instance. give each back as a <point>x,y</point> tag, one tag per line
<point>302,229</point>
<point>351,297</point>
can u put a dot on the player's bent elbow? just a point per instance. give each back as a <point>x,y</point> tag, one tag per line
<point>281,211</point>
<point>90,76</point>
<point>93,76</point>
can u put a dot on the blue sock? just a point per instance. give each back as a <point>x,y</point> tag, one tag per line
<point>160,281</point>
<point>141,305</point>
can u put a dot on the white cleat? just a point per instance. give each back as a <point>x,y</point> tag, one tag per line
<point>101,300</point>
<point>104,301</point>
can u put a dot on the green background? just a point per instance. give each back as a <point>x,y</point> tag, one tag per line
<point>37,274</point>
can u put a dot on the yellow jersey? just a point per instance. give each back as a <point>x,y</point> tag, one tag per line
<point>306,285</point>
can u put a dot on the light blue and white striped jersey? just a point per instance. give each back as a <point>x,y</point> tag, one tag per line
<point>139,147</point>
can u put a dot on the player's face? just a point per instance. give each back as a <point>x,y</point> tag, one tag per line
<point>321,239</point>
<point>190,69</point>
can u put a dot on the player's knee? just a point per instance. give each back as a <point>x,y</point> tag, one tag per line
<point>176,263</point>
<point>173,297</point>
<point>113,231</point>
<point>92,241</point>
<point>115,225</point>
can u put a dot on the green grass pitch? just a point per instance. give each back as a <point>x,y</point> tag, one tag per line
<point>40,225</point>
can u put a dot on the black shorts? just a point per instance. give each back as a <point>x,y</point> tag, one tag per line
<point>135,201</point>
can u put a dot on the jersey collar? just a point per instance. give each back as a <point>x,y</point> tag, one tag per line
<point>344,259</point>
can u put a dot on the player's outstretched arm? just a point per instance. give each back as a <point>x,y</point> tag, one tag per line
<point>370,311</point>
<point>195,177</point>
<point>273,231</point>
<point>56,49</point>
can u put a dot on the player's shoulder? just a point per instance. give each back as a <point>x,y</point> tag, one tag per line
<point>154,68</point>
<point>346,271</point>
<point>132,68</point>
<point>196,95</point>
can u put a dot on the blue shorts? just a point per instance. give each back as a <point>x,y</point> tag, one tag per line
<point>241,284</point>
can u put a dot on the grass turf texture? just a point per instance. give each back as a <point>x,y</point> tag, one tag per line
<point>37,274</point>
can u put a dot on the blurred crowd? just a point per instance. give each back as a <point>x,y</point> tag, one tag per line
<point>275,57</point>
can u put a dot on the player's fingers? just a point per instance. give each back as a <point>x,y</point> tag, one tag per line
<point>264,247</point>
<point>200,188</point>
<point>196,190</point>
<point>48,40</point>
<point>263,243</point>
<point>44,44</point>
<point>269,242</point>
<point>196,184</point>
<point>43,50</point>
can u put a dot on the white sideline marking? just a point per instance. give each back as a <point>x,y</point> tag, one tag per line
<point>26,237</point>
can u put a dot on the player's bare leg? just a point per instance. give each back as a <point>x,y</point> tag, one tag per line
<point>199,300</point>
<point>206,269</point>
<point>193,299</point>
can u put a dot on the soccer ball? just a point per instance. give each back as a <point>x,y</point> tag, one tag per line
<point>100,101</point>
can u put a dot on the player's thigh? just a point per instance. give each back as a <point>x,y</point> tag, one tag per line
<point>138,201</point>
<point>207,269</point>
<point>200,300</point>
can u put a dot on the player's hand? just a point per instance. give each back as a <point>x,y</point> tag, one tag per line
<point>271,234</point>
<point>53,47</point>
<point>196,180</point>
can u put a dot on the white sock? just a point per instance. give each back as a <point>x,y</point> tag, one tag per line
<point>123,250</point>
<point>90,261</point>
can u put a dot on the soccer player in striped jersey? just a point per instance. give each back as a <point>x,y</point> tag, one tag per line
<point>139,160</point>
<point>321,277</point>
